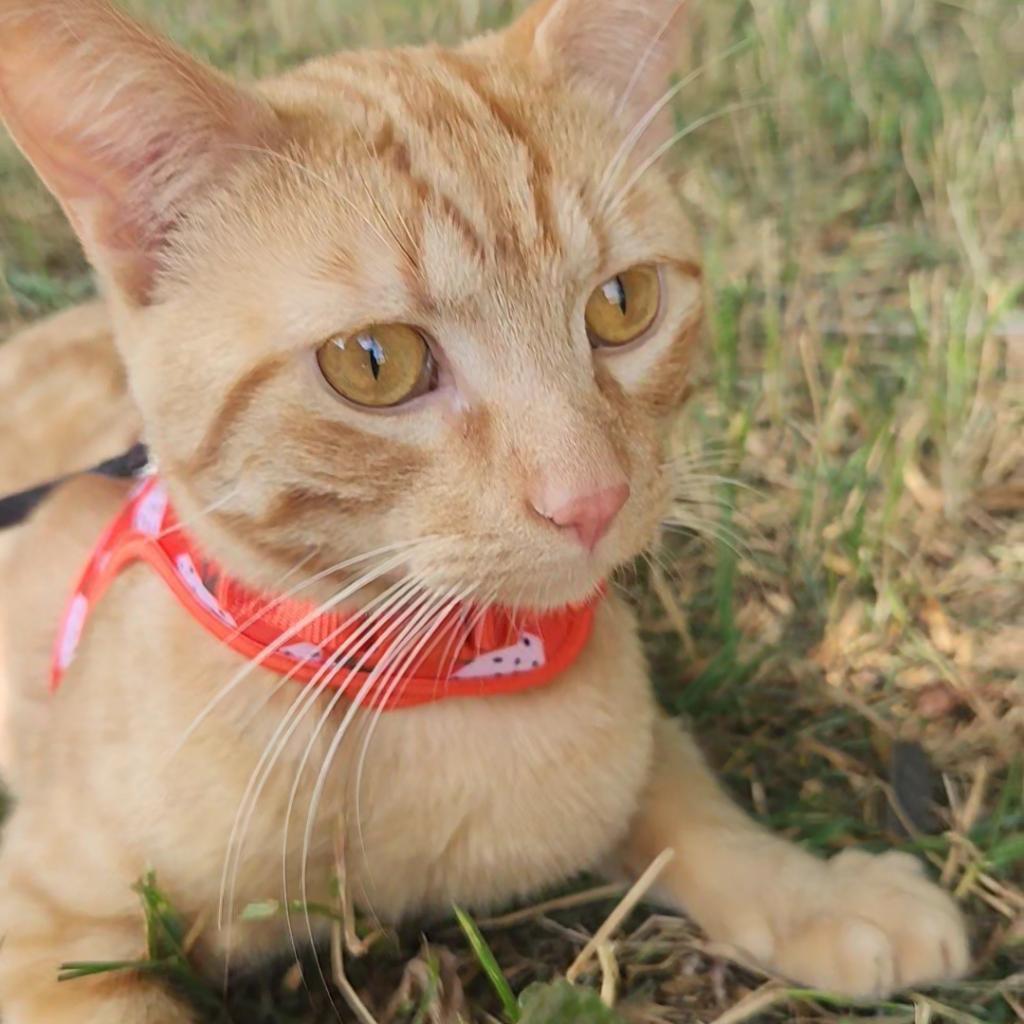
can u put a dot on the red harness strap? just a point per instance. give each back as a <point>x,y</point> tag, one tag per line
<point>385,662</point>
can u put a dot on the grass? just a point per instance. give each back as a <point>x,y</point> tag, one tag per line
<point>862,598</point>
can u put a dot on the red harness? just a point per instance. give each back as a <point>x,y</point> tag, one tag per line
<point>383,662</point>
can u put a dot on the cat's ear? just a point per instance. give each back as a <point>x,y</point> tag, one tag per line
<point>124,128</point>
<point>624,50</point>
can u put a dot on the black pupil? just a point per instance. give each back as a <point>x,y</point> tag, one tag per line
<point>374,352</point>
<point>622,295</point>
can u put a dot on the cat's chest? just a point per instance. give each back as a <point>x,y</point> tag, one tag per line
<point>483,801</point>
<point>474,800</point>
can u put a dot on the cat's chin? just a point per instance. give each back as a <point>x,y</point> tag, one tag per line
<point>527,580</point>
<point>567,585</point>
<point>551,598</point>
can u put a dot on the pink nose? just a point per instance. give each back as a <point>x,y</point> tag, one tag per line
<point>589,515</point>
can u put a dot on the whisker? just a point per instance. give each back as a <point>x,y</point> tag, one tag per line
<point>452,647</point>
<point>703,458</point>
<point>275,747</point>
<point>731,526</point>
<point>654,556</point>
<point>717,478</point>
<point>659,153</point>
<point>695,464</point>
<point>333,570</point>
<point>471,626</point>
<point>302,623</point>
<point>687,517</point>
<point>264,151</point>
<point>709,531</point>
<point>281,580</point>
<point>696,469</point>
<point>451,596</point>
<point>409,243</point>
<point>247,805</point>
<point>636,133</point>
<point>286,728</point>
<point>645,59</point>
<point>700,497</point>
<point>330,571</point>
<point>427,609</point>
<point>202,513</point>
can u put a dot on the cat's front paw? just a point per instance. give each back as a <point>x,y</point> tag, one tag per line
<point>866,926</point>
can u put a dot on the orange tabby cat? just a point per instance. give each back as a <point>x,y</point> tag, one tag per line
<point>428,308</point>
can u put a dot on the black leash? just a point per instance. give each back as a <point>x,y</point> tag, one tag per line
<point>16,508</point>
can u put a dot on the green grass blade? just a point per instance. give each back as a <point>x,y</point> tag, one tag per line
<point>75,969</point>
<point>489,964</point>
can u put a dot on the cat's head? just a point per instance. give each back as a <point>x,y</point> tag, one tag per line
<point>437,304</point>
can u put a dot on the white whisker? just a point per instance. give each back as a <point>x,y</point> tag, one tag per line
<point>202,513</point>
<point>382,605</point>
<point>257,780</point>
<point>701,122</point>
<point>715,478</point>
<point>296,712</point>
<point>344,199</point>
<point>636,133</point>
<point>301,624</point>
<point>408,634</point>
<point>372,724</point>
<point>409,244</point>
<point>704,458</point>
<point>707,530</point>
<point>641,66</point>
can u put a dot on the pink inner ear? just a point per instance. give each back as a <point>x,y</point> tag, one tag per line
<point>124,129</point>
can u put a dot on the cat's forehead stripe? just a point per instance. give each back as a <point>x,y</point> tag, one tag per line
<point>396,118</point>
<point>418,108</point>
<point>397,151</point>
<point>454,157</point>
<point>469,73</point>
<point>488,230</point>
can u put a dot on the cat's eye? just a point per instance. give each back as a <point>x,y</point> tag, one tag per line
<point>378,367</point>
<point>623,308</point>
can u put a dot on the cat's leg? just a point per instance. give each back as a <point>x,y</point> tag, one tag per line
<point>53,914</point>
<point>856,924</point>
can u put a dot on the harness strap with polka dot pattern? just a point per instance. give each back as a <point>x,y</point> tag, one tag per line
<point>473,652</point>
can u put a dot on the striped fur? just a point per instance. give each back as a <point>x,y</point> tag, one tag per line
<point>480,194</point>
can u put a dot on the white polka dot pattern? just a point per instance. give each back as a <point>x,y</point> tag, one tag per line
<point>191,578</point>
<point>71,633</point>
<point>523,656</point>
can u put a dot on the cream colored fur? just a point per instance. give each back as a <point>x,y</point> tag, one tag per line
<point>65,408</point>
<point>478,194</point>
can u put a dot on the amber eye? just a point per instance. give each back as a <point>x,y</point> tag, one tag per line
<point>624,307</point>
<point>378,367</point>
